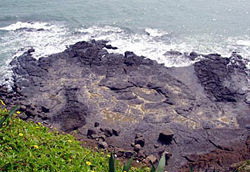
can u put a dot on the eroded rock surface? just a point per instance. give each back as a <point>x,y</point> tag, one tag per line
<point>199,114</point>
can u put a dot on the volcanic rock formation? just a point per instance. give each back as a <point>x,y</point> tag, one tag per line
<point>199,115</point>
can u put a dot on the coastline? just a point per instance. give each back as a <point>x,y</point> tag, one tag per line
<point>201,111</point>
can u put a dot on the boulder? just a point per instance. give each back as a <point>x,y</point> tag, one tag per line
<point>116,132</point>
<point>140,141</point>
<point>107,132</point>
<point>91,133</point>
<point>166,136</point>
<point>151,158</point>
<point>137,147</point>
<point>193,55</point>
<point>96,124</point>
<point>102,145</point>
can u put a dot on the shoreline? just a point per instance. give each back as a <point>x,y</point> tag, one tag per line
<point>137,106</point>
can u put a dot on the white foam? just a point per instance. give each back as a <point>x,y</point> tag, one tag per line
<point>47,41</point>
<point>100,30</point>
<point>243,42</point>
<point>150,46</point>
<point>53,38</point>
<point>241,45</point>
<point>155,32</point>
<point>141,44</point>
<point>30,25</point>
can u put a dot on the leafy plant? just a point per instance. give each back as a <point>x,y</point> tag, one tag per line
<point>161,165</point>
<point>127,166</point>
<point>112,163</point>
<point>153,169</point>
<point>7,116</point>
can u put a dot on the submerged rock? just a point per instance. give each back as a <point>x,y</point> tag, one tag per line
<point>131,99</point>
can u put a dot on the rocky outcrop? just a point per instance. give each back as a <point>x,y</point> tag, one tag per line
<point>198,114</point>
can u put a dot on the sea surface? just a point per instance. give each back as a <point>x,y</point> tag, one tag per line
<point>147,27</point>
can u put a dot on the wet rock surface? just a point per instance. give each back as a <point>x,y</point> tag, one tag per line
<point>199,114</point>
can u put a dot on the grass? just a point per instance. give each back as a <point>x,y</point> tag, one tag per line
<point>27,146</point>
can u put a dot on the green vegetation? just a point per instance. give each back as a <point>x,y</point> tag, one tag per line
<point>127,166</point>
<point>27,146</point>
<point>161,165</point>
<point>245,166</point>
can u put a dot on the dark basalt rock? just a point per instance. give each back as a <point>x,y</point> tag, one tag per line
<point>173,53</point>
<point>140,141</point>
<point>103,145</point>
<point>96,124</point>
<point>107,132</point>
<point>166,137</point>
<point>91,133</point>
<point>137,147</point>
<point>118,100</point>
<point>193,55</point>
<point>116,132</point>
<point>220,159</point>
<point>212,74</point>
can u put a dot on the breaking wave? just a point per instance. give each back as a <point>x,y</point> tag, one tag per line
<point>49,38</point>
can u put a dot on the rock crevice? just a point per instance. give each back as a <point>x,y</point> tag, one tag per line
<point>112,98</point>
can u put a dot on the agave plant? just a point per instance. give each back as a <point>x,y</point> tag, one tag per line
<point>112,163</point>
<point>161,165</point>
<point>127,165</point>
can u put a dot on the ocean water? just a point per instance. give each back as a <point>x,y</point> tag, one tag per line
<point>147,27</point>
